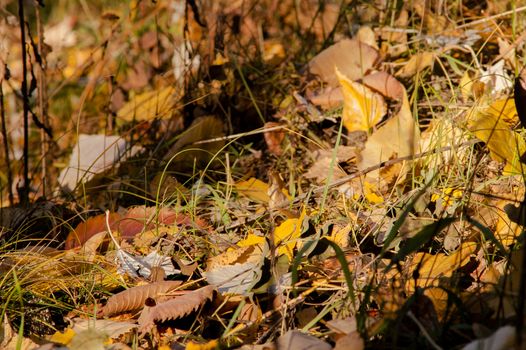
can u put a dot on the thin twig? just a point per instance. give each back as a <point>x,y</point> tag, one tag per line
<point>24,190</point>
<point>6,146</point>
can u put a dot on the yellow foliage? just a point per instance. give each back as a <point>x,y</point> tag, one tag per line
<point>362,108</point>
<point>448,196</point>
<point>287,234</point>
<point>432,267</point>
<point>212,344</point>
<point>491,124</point>
<point>251,239</point>
<point>63,338</point>
<point>256,190</point>
<point>149,105</point>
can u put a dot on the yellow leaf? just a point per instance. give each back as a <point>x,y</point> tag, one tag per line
<point>251,239</point>
<point>149,105</point>
<point>340,235</point>
<point>371,193</point>
<point>256,190</point>
<point>362,108</point>
<point>416,64</point>
<point>490,124</point>
<point>212,344</point>
<point>465,84</point>
<point>287,234</point>
<point>448,196</point>
<point>432,267</point>
<point>507,231</point>
<point>63,338</point>
<point>439,298</point>
<point>397,138</point>
<point>239,255</point>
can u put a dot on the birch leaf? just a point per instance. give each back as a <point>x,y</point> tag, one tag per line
<point>489,124</point>
<point>362,108</point>
<point>397,138</point>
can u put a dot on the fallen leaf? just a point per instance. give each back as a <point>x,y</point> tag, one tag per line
<point>487,122</point>
<point>192,149</point>
<point>256,190</point>
<point>287,235</point>
<point>502,339</point>
<point>92,155</point>
<point>178,307</point>
<point>397,138</point>
<point>350,56</point>
<point>362,108</point>
<point>210,345</point>
<point>296,340</point>
<point>385,84</point>
<point>351,341</point>
<point>273,139</point>
<point>236,278</point>
<point>416,64</point>
<point>149,105</point>
<point>133,299</point>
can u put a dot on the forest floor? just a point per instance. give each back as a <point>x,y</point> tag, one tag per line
<point>262,174</point>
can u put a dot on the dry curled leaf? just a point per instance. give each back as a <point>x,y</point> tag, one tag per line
<point>178,307</point>
<point>133,299</point>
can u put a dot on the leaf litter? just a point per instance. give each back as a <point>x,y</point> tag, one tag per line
<point>269,180</point>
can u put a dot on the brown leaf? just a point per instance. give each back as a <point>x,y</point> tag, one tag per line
<point>416,64</point>
<point>89,228</point>
<point>385,84</point>
<point>351,341</point>
<point>177,307</point>
<point>350,56</point>
<point>187,151</point>
<point>273,139</point>
<point>133,299</point>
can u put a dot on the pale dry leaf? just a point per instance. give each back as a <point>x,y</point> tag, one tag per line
<point>362,108</point>
<point>320,169</point>
<point>416,64</point>
<point>178,307</point>
<point>351,341</point>
<point>502,339</point>
<point>342,326</point>
<point>366,35</point>
<point>113,329</point>
<point>296,340</point>
<point>236,278</point>
<point>496,79</point>
<point>133,299</point>
<point>352,57</point>
<point>91,155</point>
